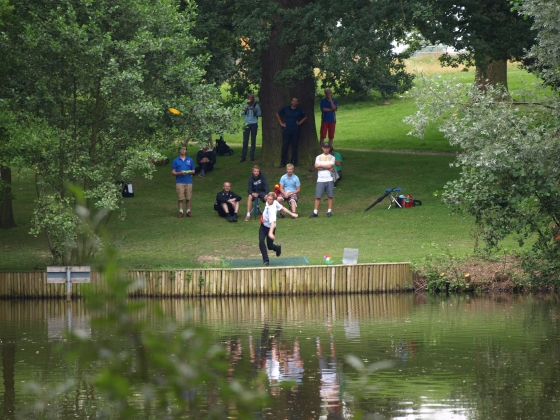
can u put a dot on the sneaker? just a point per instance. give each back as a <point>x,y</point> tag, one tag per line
<point>248,218</point>
<point>189,214</point>
<point>293,217</point>
<point>235,217</point>
<point>229,217</point>
<point>266,263</point>
<point>252,159</point>
<point>242,160</point>
<point>279,250</point>
<point>313,215</point>
<point>329,214</point>
<point>281,215</point>
<point>201,174</point>
<point>181,215</point>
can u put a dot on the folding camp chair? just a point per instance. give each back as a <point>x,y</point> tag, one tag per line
<point>387,192</point>
<point>256,209</point>
<point>393,199</point>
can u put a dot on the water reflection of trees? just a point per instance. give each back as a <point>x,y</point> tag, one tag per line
<point>300,341</point>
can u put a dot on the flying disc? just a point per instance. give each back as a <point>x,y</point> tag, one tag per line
<point>174,111</point>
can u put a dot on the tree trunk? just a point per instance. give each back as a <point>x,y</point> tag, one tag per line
<point>273,96</point>
<point>494,74</point>
<point>6,211</point>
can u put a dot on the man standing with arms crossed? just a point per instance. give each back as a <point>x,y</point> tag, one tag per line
<point>251,116</point>
<point>293,118</point>
<point>325,183</point>
<point>182,169</point>
<point>329,106</point>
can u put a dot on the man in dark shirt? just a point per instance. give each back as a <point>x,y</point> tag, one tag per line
<point>205,159</point>
<point>227,203</point>
<point>293,118</point>
<point>257,188</point>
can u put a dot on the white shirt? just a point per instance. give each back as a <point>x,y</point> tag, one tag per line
<point>324,175</point>
<point>269,213</point>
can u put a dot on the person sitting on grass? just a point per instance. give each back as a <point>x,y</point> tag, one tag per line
<point>227,203</point>
<point>205,159</point>
<point>337,165</point>
<point>290,187</point>
<point>257,188</point>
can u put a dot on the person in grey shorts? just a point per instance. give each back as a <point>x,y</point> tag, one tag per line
<point>324,164</point>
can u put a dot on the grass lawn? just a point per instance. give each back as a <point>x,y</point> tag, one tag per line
<point>152,236</point>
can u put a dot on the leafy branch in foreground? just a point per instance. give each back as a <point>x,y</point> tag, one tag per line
<point>138,363</point>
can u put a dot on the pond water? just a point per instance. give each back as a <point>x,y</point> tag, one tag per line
<point>449,357</point>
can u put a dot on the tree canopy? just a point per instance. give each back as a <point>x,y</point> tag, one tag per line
<point>280,45</point>
<point>509,153</point>
<point>486,33</point>
<point>91,83</point>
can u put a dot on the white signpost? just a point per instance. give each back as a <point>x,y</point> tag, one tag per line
<point>69,275</point>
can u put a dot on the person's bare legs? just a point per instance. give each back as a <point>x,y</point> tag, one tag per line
<point>317,203</point>
<point>249,203</point>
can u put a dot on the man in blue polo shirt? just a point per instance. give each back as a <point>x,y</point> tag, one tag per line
<point>293,118</point>
<point>182,169</point>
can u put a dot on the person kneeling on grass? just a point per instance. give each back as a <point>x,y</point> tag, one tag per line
<point>290,187</point>
<point>227,203</point>
<point>205,159</point>
<point>267,228</point>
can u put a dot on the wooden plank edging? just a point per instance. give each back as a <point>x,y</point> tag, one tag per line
<point>251,281</point>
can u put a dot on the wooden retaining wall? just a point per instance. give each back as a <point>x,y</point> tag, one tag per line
<point>302,280</point>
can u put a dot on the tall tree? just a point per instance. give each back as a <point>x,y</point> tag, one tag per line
<point>350,44</point>
<point>486,33</point>
<point>509,152</point>
<point>97,78</point>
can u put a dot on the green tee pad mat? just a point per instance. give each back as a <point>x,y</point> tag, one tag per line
<point>274,262</point>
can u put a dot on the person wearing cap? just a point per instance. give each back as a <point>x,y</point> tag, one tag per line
<point>324,163</point>
<point>290,187</point>
<point>293,117</point>
<point>329,106</point>
<point>182,170</point>
<point>251,116</point>
<point>205,159</point>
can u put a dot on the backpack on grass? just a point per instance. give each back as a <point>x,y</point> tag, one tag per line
<point>222,148</point>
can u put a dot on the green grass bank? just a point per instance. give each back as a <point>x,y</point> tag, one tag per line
<point>152,236</point>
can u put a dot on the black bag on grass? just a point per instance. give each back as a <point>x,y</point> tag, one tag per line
<point>222,148</point>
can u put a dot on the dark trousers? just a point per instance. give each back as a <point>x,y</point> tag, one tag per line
<point>289,138</point>
<point>221,211</point>
<point>250,129</point>
<point>206,167</point>
<point>263,234</point>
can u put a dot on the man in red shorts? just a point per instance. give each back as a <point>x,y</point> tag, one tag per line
<point>329,106</point>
